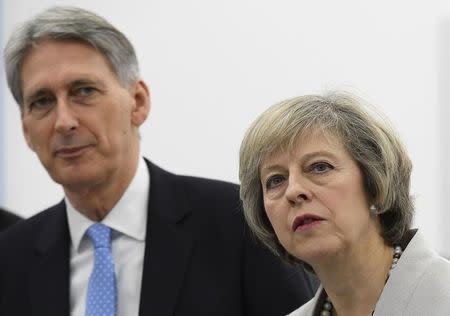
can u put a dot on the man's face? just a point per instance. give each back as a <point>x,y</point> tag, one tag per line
<point>77,117</point>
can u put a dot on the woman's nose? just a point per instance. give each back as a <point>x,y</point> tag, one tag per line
<point>297,191</point>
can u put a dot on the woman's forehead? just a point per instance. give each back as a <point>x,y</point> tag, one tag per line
<point>326,141</point>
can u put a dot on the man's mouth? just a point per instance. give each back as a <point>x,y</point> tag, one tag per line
<point>70,152</point>
<point>305,221</point>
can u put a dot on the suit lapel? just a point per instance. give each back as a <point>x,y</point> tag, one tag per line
<point>49,281</point>
<point>403,280</point>
<point>168,244</point>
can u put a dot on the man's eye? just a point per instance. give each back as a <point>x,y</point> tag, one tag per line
<point>274,181</point>
<point>85,91</point>
<point>40,103</point>
<point>320,167</point>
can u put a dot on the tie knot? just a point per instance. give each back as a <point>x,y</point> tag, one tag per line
<point>100,235</point>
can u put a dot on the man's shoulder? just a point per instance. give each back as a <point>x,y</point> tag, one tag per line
<point>209,187</point>
<point>197,189</point>
<point>212,197</point>
<point>305,310</point>
<point>159,172</point>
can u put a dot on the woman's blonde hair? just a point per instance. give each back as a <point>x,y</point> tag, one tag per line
<point>368,138</point>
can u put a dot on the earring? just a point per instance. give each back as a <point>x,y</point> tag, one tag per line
<point>374,210</point>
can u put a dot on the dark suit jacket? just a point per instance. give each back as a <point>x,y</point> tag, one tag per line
<point>199,259</point>
<point>7,219</point>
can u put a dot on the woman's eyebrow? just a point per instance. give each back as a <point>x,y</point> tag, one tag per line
<point>319,153</point>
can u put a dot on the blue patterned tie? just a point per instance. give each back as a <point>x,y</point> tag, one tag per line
<point>102,293</point>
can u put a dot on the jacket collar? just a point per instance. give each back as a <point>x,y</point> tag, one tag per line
<point>49,281</point>
<point>168,245</point>
<point>397,293</point>
<point>169,240</point>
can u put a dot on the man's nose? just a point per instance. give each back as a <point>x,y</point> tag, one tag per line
<point>66,118</point>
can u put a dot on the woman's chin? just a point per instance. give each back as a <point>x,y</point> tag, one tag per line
<point>316,253</point>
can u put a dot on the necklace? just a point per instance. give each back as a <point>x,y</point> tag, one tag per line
<point>327,307</point>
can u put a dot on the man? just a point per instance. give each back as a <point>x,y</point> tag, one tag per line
<point>129,238</point>
<point>7,219</point>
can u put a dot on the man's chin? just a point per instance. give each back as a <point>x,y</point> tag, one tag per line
<point>76,180</point>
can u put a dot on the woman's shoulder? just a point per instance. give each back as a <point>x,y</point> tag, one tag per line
<point>432,293</point>
<point>436,278</point>
<point>419,285</point>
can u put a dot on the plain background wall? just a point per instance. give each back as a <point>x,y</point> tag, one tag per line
<point>213,66</point>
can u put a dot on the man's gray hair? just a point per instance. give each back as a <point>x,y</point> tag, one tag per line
<point>72,24</point>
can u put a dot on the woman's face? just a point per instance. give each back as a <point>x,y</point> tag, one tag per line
<point>315,199</point>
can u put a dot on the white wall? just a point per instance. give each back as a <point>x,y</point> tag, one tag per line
<point>213,66</point>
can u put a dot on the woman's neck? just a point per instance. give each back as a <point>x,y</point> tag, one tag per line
<point>355,278</point>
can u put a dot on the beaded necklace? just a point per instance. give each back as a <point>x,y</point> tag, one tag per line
<point>327,307</point>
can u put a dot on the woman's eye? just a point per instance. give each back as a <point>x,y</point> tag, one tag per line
<point>320,167</point>
<point>274,181</point>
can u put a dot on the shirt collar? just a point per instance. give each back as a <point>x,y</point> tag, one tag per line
<point>128,216</point>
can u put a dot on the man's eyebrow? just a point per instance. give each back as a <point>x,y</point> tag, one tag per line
<point>68,85</point>
<point>81,82</point>
<point>36,94</point>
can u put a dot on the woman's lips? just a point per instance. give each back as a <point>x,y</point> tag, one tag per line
<point>305,221</point>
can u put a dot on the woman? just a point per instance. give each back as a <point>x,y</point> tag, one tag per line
<point>325,183</point>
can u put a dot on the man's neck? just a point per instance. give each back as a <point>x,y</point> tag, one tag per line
<point>96,201</point>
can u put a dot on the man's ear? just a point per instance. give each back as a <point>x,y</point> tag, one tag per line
<point>27,135</point>
<point>141,109</point>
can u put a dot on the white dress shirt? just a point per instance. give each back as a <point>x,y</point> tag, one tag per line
<point>128,222</point>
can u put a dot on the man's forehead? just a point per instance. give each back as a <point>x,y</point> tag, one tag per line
<point>59,63</point>
<point>48,50</point>
<point>66,83</point>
